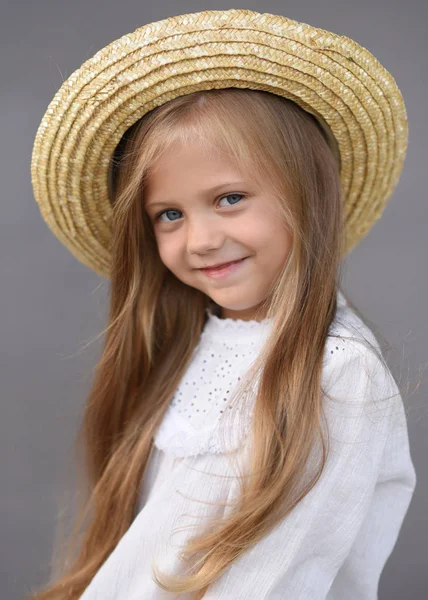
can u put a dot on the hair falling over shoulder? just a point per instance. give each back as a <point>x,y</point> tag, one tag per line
<point>155,322</point>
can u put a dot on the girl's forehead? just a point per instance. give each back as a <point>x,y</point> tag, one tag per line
<point>198,161</point>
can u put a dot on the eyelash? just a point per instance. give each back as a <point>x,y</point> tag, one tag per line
<point>157,217</point>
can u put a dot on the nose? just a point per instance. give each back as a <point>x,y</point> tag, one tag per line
<point>203,235</point>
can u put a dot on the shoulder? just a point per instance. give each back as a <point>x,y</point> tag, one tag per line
<point>354,368</point>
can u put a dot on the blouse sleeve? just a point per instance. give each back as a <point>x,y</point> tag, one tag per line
<point>335,542</point>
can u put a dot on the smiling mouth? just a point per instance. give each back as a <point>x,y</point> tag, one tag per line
<point>223,265</point>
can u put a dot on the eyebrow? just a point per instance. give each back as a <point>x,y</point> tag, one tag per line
<point>206,192</point>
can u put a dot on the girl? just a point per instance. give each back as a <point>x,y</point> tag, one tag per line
<point>243,437</point>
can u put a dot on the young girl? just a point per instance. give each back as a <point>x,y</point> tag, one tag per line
<point>243,437</point>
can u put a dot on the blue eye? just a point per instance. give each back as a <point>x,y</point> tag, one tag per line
<point>158,216</point>
<point>231,195</point>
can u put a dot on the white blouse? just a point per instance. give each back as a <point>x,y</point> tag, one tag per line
<point>336,541</point>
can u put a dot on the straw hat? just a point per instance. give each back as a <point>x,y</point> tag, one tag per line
<point>341,83</point>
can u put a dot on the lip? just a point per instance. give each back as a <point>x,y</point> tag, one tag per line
<point>221,265</point>
<point>224,270</point>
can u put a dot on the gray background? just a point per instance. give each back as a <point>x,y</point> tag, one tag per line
<point>51,305</point>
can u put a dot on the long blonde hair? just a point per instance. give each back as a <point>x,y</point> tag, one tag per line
<point>155,322</point>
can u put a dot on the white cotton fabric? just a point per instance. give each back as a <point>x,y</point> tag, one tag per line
<point>335,543</point>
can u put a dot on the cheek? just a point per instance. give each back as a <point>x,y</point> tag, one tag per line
<point>168,251</point>
<point>284,247</point>
<point>262,233</point>
<point>254,231</point>
<point>272,241</point>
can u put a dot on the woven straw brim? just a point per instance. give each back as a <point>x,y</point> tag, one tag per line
<point>330,76</point>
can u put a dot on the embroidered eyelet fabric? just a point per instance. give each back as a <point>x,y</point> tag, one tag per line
<point>335,542</point>
<point>194,422</point>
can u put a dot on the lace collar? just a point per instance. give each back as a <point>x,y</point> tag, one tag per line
<point>198,419</point>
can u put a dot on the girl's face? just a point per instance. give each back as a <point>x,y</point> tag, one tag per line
<point>204,213</point>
